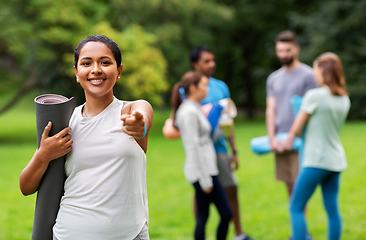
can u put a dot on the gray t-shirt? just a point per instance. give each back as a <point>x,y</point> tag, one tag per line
<point>283,85</point>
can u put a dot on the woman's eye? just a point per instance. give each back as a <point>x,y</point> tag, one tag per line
<point>85,63</point>
<point>105,63</point>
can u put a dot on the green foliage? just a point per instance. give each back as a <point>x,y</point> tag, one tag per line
<point>178,25</point>
<point>42,35</point>
<point>145,66</point>
<point>337,26</point>
<point>38,38</point>
<point>240,33</point>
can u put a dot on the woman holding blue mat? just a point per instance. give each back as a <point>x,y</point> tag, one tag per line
<point>200,167</point>
<point>105,190</point>
<point>325,110</point>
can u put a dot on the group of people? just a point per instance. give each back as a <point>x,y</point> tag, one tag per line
<point>105,191</point>
<point>208,165</point>
<point>323,111</point>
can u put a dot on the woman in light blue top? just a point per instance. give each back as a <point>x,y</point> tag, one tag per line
<point>200,168</point>
<point>325,110</point>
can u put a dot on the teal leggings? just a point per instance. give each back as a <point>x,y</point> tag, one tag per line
<point>305,186</point>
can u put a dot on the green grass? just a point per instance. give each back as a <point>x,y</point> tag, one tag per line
<point>263,201</point>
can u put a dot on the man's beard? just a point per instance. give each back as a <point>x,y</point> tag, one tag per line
<point>210,72</point>
<point>287,61</point>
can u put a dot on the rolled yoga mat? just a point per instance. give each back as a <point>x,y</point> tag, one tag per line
<point>57,109</point>
<point>261,145</point>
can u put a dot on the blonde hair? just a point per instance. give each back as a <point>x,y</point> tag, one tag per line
<point>332,72</point>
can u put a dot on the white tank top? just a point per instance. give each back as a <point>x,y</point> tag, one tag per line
<point>105,190</point>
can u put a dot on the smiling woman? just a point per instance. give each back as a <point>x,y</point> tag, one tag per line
<point>105,191</point>
<point>97,71</point>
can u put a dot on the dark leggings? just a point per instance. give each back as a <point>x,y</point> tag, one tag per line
<point>219,198</point>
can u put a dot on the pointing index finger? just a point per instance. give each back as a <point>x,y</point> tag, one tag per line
<point>138,115</point>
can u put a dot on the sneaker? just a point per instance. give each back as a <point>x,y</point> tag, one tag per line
<point>246,237</point>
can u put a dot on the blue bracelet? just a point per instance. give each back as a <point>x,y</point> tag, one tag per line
<point>144,131</point>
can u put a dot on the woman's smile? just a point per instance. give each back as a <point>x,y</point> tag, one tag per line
<point>97,70</point>
<point>96,81</point>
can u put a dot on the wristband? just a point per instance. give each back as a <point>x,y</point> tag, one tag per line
<point>144,132</point>
<point>234,151</point>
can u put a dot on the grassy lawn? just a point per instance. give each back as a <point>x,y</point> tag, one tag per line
<point>263,201</point>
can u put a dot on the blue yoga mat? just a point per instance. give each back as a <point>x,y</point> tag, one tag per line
<point>260,145</point>
<point>213,116</point>
<point>295,102</point>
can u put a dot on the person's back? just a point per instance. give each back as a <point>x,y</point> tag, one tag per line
<point>324,110</point>
<point>323,147</point>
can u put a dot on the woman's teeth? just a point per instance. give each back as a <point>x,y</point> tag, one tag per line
<point>96,81</point>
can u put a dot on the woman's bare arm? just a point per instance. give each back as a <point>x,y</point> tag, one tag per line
<point>136,116</point>
<point>50,149</point>
<point>295,130</point>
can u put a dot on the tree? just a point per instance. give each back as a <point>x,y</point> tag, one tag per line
<point>39,36</point>
<point>240,33</point>
<point>337,26</point>
<point>178,25</point>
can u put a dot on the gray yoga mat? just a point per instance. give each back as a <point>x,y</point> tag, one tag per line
<point>57,109</point>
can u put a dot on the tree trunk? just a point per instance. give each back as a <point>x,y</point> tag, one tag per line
<point>30,84</point>
<point>250,102</point>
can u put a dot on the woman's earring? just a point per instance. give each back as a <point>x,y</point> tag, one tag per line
<point>119,77</point>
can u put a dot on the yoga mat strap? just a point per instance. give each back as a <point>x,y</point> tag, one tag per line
<point>57,109</point>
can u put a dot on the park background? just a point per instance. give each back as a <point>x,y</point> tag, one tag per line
<point>37,40</point>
